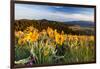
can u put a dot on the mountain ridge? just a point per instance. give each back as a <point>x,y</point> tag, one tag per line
<point>80,23</point>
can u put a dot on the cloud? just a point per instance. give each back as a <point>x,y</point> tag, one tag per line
<point>83,17</point>
<point>22,12</point>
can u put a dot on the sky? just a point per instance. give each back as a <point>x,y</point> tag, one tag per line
<point>54,13</point>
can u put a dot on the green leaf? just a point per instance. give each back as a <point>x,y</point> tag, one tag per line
<point>22,61</point>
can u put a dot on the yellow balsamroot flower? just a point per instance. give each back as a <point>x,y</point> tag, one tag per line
<point>35,36</point>
<point>44,32</point>
<point>57,38</point>
<point>19,34</point>
<point>76,38</point>
<point>84,38</point>
<point>32,36</point>
<point>46,52</point>
<point>27,36</point>
<point>63,38</point>
<point>69,38</point>
<point>92,38</point>
<point>55,32</point>
<point>50,32</point>
<point>21,41</point>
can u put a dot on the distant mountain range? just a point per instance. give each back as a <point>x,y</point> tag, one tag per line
<point>80,23</point>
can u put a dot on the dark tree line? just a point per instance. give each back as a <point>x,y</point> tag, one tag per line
<point>44,24</point>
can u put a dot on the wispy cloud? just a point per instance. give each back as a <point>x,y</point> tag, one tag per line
<point>55,13</point>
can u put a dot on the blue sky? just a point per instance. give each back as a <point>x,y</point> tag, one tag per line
<point>54,13</point>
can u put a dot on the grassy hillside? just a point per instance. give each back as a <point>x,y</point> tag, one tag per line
<point>43,24</point>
